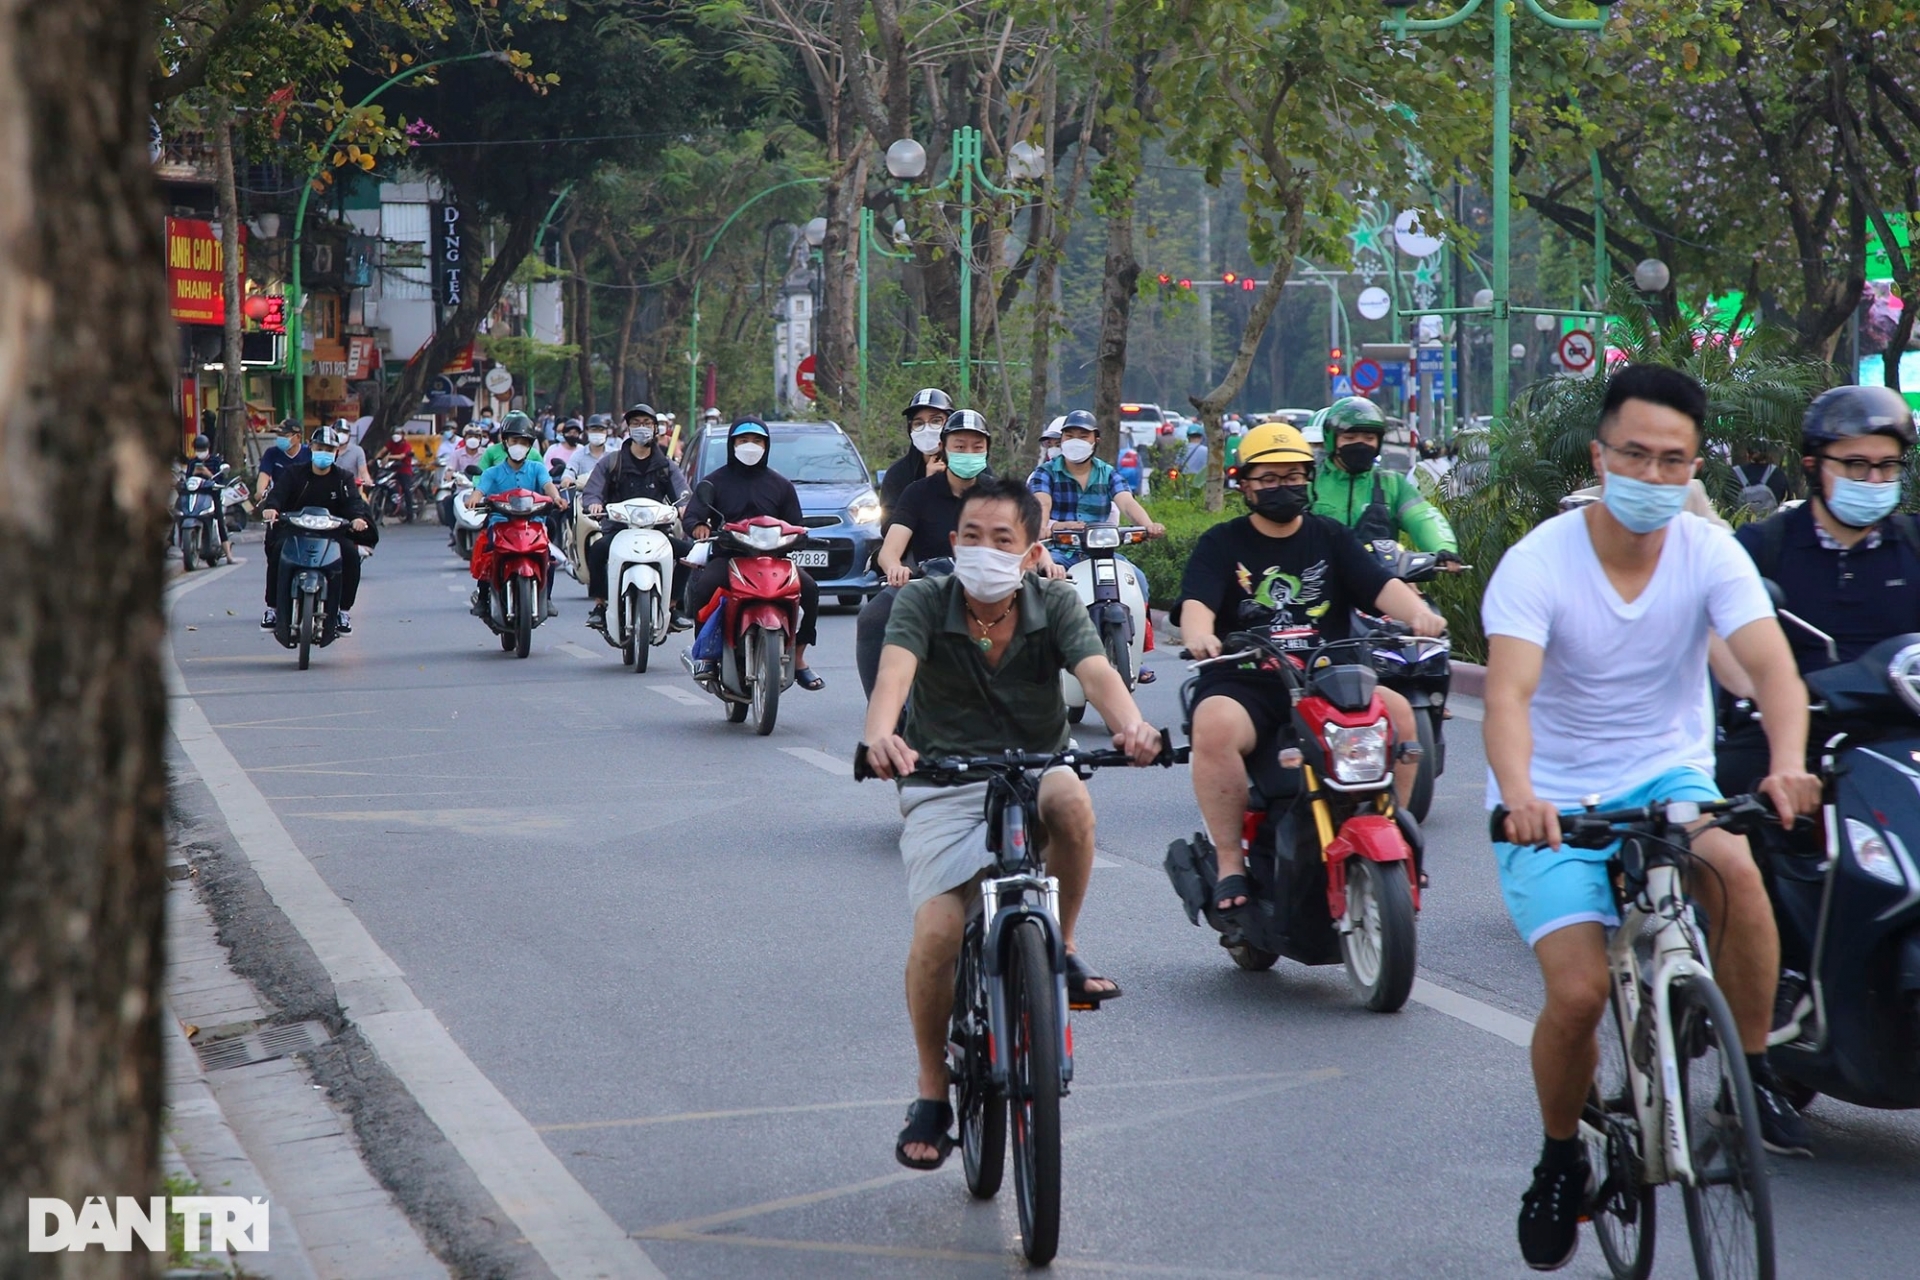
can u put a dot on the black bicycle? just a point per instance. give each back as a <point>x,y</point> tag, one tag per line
<point>1009,1047</point>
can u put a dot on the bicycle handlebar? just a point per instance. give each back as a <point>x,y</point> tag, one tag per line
<point>949,768</point>
<point>1590,829</point>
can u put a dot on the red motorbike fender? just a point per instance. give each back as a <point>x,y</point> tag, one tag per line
<point>760,613</point>
<point>521,568</point>
<point>1369,836</point>
<point>527,537</point>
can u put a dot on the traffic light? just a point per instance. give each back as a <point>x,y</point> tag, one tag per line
<point>1248,284</point>
<point>275,319</point>
<point>1336,363</point>
<point>1229,279</point>
<point>1186,284</point>
<point>1165,279</point>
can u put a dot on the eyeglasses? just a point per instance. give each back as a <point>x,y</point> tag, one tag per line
<point>1270,480</point>
<point>1671,466</point>
<point>1867,468</point>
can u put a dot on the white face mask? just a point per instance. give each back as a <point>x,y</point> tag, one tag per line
<point>987,573</point>
<point>596,438</point>
<point>750,455</point>
<point>640,435</point>
<point>927,439</point>
<point>1076,450</point>
<point>518,452</point>
<point>473,444</point>
<point>1051,452</point>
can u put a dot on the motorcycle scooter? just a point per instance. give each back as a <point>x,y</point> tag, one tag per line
<point>1333,864</point>
<point>518,598</point>
<point>639,577</point>
<point>194,529</point>
<point>1116,600</point>
<point>1418,668</point>
<point>233,500</point>
<point>467,521</point>
<point>758,617</point>
<point>309,584</point>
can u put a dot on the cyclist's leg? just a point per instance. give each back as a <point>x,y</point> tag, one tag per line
<point>1400,711</point>
<point>1224,732</point>
<point>938,924</point>
<point>1573,965</point>
<point>1745,940</point>
<point>1066,809</point>
<point>944,846</point>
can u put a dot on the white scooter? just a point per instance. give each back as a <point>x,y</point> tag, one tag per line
<point>1116,598</point>
<point>639,576</point>
<point>468,521</point>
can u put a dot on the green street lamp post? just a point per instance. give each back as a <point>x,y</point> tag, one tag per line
<point>866,244</point>
<point>693,331</point>
<point>296,339</point>
<point>1500,309</point>
<point>907,161</point>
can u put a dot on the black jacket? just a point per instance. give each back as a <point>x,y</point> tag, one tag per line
<point>620,477</point>
<point>299,486</point>
<point>898,475</point>
<point>740,492</point>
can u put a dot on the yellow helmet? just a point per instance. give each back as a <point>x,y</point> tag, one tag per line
<point>1274,442</point>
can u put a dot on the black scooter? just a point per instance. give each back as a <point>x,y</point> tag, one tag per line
<point>309,585</point>
<point>1418,669</point>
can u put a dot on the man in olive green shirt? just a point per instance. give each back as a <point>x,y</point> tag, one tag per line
<point>981,652</point>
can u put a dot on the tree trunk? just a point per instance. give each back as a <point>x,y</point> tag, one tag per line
<point>623,346</point>
<point>1118,279</point>
<point>839,338</point>
<point>233,374</point>
<point>85,358</point>
<point>461,326</point>
<point>582,322</point>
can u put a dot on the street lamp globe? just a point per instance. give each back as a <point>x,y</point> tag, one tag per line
<point>1544,323</point>
<point>816,232</point>
<point>1026,162</point>
<point>1651,276</point>
<point>1483,298</point>
<point>1518,351</point>
<point>906,159</point>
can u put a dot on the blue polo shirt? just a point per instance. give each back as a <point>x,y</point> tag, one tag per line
<point>504,477</point>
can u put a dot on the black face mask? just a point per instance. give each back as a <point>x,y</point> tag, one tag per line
<point>1281,503</point>
<point>1358,457</point>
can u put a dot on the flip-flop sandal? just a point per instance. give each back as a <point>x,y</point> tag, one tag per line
<point>1229,888</point>
<point>1146,675</point>
<point>1079,974</point>
<point>805,678</point>
<point>927,1124</point>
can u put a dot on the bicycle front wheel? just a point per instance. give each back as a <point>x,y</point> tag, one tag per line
<point>1622,1209</point>
<point>1033,1085</point>
<point>1729,1210</point>
<point>982,1108</point>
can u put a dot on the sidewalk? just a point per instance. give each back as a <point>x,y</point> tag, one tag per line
<point>245,1118</point>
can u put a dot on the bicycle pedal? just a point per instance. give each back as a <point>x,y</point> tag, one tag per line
<point>1082,1008</point>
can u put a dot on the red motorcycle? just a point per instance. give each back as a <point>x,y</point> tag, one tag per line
<point>758,618</point>
<point>520,579</point>
<point>1333,863</point>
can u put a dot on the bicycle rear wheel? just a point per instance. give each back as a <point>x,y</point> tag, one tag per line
<point>982,1109</point>
<point>1729,1208</point>
<point>1033,1085</point>
<point>1622,1209</point>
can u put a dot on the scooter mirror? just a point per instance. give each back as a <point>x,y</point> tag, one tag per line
<point>473,472</point>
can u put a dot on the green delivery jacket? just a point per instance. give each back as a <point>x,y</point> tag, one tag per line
<point>1381,504</point>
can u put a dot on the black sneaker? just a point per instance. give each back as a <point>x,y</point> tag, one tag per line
<point>343,623</point>
<point>270,619</point>
<point>1792,1006</point>
<point>679,622</point>
<point>477,604</point>
<point>1782,1128</point>
<point>1550,1215</point>
<point>597,617</point>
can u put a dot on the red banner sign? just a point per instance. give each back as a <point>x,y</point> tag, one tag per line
<point>195,271</point>
<point>361,357</point>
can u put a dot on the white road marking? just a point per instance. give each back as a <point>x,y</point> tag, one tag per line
<point>822,760</point>
<point>1101,860</point>
<point>573,650</point>
<point>1475,1013</point>
<point>674,693</point>
<point>565,1225</point>
<point>459,588</point>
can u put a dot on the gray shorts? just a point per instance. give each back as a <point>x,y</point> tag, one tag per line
<point>944,842</point>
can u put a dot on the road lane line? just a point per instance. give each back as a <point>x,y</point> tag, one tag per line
<point>1475,1013</point>
<point>1102,1266</point>
<point>565,1225</point>
<point>822,760</point>
<point>674,693</point>
<point>573,650</point>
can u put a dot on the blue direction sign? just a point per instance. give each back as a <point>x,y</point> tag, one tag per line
<point>1432,359</point>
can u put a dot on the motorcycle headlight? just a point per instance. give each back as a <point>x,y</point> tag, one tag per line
<point>865,509</point>
<point>1103,536</point>
<point>319,524</point>
<point>1358,754</point>
<point>1904,674</point>
<point>763,537</point>
<point>1871,855</point>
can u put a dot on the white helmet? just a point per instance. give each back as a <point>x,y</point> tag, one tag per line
<point>1053,428</point>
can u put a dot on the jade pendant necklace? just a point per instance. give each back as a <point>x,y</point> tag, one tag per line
<point>986,640</point>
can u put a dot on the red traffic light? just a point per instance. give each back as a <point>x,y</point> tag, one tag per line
<point>1186,284</point>
<point>1229,279</point>
<point>1165,279</point>
<point>1249,284</point>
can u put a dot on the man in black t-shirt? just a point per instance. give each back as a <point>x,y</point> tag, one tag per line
<point>1312,572</point>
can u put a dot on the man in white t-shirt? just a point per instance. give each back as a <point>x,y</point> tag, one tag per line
<point>1597,628</point>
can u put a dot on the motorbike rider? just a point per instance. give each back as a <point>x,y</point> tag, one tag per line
<point>520,470</point>
<point>399,454</point>
<point>316,481</point>
<point>559,454</point>
<point>1193,459</point>
<point>1847,563</point>
<point>743,488</point>
<point>599,443</point>
<point>1050,441</point>
<point>351,457</point>
<point>926,416</point>
<point>1077,489</point>
<point>202,461</point>
<point>981,651</point>
<point>1373,502</point>
<point>639,469</point>
<point>924,518</point>
<point>285,450</point>
<point>1597,625</point>
<point>1313,572</point>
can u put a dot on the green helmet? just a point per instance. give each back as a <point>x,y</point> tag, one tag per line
<point>1354,413</point>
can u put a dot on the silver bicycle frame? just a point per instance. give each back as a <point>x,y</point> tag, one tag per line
<point>990,893</point>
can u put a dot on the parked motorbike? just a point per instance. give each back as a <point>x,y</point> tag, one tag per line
<point>1417,668</point>
<point>309,585</point>
<point>467,521</point>
<point>1116,599</point>
<point>195,531</point>
<point>639,577</point>
<point>1332,863</point>
<point>759,616</point>
<point>582,530</point>
<point>518,593</point>
<point>233,500</point>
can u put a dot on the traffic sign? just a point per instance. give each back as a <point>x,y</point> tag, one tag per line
<point>1374,302</point>
<point>1576,351</point>
<point>1342,387</point>
<point>806,375</point>
<point>1433,359</point>
<point>1367,375</point>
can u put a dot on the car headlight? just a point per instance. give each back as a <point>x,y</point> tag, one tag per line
<point>1358,754</point>
<point>1871,854</point>
<point>865,509</point>
<point>1103,536</point>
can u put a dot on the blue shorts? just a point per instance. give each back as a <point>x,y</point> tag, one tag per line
<point>1549,889</point>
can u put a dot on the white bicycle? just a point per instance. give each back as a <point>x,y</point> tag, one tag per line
<point>1672,1101</point>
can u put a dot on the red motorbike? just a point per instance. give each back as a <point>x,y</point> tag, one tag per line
<point>758,617</point>
<point>520,581</point>
<point>1333,863</point>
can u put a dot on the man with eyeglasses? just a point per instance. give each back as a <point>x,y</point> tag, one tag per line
<point>1597,629</point>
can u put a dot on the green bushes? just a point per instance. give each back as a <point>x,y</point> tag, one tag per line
<point>1163,560</point>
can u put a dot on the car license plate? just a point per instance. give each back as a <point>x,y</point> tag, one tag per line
<point>810,559</point>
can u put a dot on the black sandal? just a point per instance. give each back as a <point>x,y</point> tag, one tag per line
<point>1229,888</point>
<point>927,1125</point>
<point>805,678</point>
<point>1079,974</point>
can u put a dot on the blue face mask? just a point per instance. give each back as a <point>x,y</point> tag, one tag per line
<point>1641,505</point>
<point>285,443</point>
<point>322,459</point>
<point>1860,504</point>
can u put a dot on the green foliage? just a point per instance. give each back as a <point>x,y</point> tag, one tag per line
<point>1164,560</point>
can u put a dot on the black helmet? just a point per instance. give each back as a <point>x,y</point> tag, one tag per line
<point>1082,419</point>
<point>201,442</point>
<point>1846,412</point>
<point>518,426</point>
<point>639,411</point>
<point>928,398</point>
<point>593,420</point>
<point>965,420</point>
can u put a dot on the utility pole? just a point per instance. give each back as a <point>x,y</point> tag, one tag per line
<point>233,375</point>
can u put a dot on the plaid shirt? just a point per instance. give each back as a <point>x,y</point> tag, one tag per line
<point>1092,504</point>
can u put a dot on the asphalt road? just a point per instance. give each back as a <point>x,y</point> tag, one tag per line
<point>676,949</point>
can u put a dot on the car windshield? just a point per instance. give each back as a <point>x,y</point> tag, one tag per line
<point>804,457</point>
